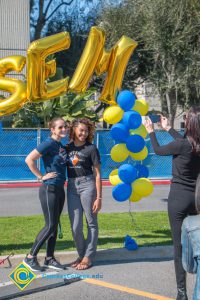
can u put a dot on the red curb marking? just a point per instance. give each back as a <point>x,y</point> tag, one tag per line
<point>104,183</point>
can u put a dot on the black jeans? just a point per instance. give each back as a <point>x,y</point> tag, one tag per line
<point>181,203</point>
<point>52,198</point>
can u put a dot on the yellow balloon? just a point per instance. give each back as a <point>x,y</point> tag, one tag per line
<point>140,131</point>
<point>38,90</point>
<point>135,197</point>
<point>114,178</point>
<point>141,106</point>
<point>119,152</point>
<point>14,86</point>
<point>113,114</point>
<point>142,187</point>
<point>140,155</point>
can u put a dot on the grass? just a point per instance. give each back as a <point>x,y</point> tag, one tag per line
<point>147,228</point>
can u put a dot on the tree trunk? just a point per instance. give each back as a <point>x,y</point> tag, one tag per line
<point>40,21</point>
<point>172,106</point>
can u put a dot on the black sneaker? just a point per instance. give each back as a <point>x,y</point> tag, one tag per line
<point>33,264</point>
<point>52,263</point>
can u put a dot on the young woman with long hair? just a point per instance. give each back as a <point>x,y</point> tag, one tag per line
<point>185,169</point>
<point>84,191</point>
<point>51,192</point>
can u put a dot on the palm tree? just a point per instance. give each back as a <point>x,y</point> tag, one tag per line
<point>69,106</point>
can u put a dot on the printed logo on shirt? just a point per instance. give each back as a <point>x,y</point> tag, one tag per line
<point>75,158</point>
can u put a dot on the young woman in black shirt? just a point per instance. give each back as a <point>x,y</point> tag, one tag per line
<point>84,191</point>
<point>185,169</point>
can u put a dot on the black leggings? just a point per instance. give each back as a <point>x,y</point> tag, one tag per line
<point>52,198</point>
<point>181,202</point>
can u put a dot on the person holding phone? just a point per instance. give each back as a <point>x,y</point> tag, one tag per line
<point>154,118</point>
<point>51,192</point>
<point>84,191</point>
<point>185,169</point>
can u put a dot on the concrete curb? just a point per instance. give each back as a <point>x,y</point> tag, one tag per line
<point>104,183</point>
<point>108,255</point>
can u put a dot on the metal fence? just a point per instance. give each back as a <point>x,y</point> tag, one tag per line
<point>15,144</point>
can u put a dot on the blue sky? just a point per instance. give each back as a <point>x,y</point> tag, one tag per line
<point>79,9</point>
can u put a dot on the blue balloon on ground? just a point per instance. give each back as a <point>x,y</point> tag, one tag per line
<point>119,132</point>
<point>122,192</point>
<point>142,171</point>
<point>126,100</point>
<point>127,173</point>
<point>130,243</point>
<point>135,143</point>
<point>132,119</point>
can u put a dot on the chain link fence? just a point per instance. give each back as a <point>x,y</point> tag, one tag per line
<point>16,144</point>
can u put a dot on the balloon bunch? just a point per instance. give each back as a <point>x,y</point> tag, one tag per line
<point>130,182</point>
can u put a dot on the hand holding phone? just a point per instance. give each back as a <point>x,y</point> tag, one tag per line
<point>154,118</point>
<point>148,124</point>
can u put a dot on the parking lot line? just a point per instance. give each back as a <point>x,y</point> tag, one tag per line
<point>125,289</point>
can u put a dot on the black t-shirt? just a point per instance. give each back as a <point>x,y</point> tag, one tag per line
<point>185,163</point>
<point>81,159</point>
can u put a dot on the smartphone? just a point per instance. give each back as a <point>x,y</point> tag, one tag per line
<point>154,118</point>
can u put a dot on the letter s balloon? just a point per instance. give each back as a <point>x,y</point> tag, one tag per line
<point>12,85</point>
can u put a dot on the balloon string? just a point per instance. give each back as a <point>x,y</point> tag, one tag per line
<point>133,221</point>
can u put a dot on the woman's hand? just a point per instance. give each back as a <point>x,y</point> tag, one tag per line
<point>149,125</point>
<point>164,123</point>
<point>96,206</point>
<point>49,175</point>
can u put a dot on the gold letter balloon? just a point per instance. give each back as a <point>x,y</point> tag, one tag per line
<point>38,70</point>
<point>16,87</point>
<point>94,59</point>
<point>124,112</point>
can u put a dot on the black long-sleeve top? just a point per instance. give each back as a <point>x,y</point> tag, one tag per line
<point>185,164</point>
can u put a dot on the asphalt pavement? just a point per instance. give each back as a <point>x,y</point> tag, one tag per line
<point>25,201</point>
<point>146,273</point>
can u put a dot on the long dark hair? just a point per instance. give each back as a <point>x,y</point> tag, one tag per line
<point>197,195</point>
<point>90,125</point>
<point>193,128</point>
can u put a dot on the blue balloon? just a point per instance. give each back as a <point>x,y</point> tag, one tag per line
<point>127,173</point>
<point>126,100</point>
<point>119,132</point>
<point>122,192</point>
<point>132,119</point>
<point>130,243</point>
<point>135,143</point>
<point>142,171</point>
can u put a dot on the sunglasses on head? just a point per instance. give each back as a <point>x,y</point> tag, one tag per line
<point>64,126</point>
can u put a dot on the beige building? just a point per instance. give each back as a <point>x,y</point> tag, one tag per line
<point>147,92</point>
<point>14,28</point>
